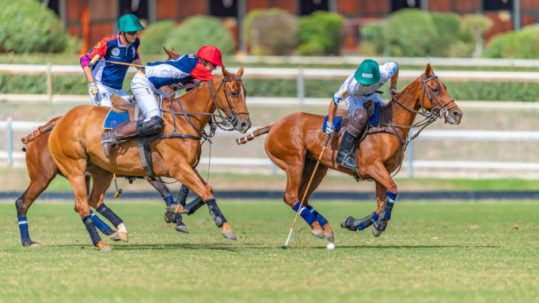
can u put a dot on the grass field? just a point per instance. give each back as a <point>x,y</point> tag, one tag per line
<point>431,252</point>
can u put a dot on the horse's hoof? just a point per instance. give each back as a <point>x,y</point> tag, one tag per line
<point>182,228</point>
<point>318,233</point>
<point>349,223</point>
<point>31,244</point>
<point>119,236</point>
<point>230,235</point>
<point>378,228</point>
<point>170,217</point>
<point>330,237</point>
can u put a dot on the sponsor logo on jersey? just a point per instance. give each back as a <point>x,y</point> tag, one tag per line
<point>115,52</point>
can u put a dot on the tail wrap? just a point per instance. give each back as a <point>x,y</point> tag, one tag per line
<point>254,134</point>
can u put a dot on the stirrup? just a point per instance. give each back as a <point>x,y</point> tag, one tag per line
<point>351,164</point>
<point>108,142</point>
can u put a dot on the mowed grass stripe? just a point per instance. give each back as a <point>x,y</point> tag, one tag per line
<point>431,252</point>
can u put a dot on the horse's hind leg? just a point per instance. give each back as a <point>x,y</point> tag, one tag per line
<point>320,227</point>
<point>102,180</point>
<point>169,200</point>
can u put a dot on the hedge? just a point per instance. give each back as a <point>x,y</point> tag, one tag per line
<point>270,32</point>
<point>153,38</point>
<point>27,27</point>
<point>522,44</point>
<point>320,34</point>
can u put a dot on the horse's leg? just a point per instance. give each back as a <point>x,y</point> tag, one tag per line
<point>188,176</point>
<point>102,180</point>
<point>354,224</point>
<point>320,227</point>
<point>293,163</point>
<point>386,191</point>
<point>102,226</point>
<point>169,200</point>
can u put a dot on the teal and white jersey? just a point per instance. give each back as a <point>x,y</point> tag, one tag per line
<point>351,87</point>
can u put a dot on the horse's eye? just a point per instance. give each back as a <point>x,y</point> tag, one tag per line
<point>436,90</point>
<point>234,94</point>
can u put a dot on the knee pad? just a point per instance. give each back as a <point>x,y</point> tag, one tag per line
<point>150,127</point>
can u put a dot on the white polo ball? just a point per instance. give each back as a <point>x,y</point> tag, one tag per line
<point>330,246</point>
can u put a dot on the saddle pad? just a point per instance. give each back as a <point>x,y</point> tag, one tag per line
<point>374,119</point>
<point>337,121</point>
<point>114,119</point>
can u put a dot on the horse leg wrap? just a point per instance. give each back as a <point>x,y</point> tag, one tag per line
<point>388,206</point>
<point>110,215</point>
<point>193,206</point>
<point>169,200</point>
<point>182,196</point>
<point>90,227</point>
<point>23,229</point>
<point>305,213</point>
<point>102,226</point>
<point>317,216</point>
<point>216,213</point>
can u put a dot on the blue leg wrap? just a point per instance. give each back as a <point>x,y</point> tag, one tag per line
<point>305,213</point>
<point>109,214</point>
<point>90,227</point>
<point>182,196</point>
<point>102,226</point>
<point>23,229</point>
<point>318,216</point>
<point>388,205</point>
<point>169,200</point>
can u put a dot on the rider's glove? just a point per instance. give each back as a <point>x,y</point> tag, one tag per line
<point>330,129</point>
<point>94,93</point>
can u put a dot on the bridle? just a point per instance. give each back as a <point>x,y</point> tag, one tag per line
<point>224,119</point>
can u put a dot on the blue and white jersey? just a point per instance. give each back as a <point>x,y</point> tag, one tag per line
<point>351,87</point>
<point>111,49</point>
<point>171,71</point>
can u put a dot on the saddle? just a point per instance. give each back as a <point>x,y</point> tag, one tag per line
<point>123,111</point>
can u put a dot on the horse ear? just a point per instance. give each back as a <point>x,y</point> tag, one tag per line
<point>239,73</point>
<point>172,54</point>
<point>225,72</point>
<point>428,70</point>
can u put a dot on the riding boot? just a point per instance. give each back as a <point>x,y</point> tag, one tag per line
<point>347,151</point>
<point>126,130</point>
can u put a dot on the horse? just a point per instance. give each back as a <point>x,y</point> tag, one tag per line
<point>75,146</point>
<point>42,170</point>
<point>295,142</point>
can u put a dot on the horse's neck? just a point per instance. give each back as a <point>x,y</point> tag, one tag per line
<point>401,116</point>
<point>197,104</point>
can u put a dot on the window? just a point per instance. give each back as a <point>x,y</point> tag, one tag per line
<point>307,7</point>
<point>223,8</point>
<point>498,5</point>
<point>53,5</point>
<point>138,8</point>
<point>401,4</point>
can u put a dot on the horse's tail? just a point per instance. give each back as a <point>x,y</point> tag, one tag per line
<point>254,134</point>
<point>39,131</point>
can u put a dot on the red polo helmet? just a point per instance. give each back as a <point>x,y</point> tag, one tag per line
<point>211,54</point>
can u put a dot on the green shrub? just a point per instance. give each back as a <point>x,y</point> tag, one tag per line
<point>523,44</point>
<point>320,34</point>
<point>410,32</point>
<point>270,32</point>
<point>475,27</point>
<point>154,37</point>
<point>27,27</point>
<point>372,34</point>
<point>448,28</point>
<point>197,31</point>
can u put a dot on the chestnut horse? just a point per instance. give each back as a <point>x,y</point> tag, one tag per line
<point>75,146</point>
<point>295,142</point>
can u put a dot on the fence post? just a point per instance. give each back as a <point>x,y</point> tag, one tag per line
<point>49,82</point>
<point>9,143</point>
<point>410,159</point>
<point>301,86</point>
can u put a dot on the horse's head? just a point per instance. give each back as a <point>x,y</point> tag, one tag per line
<point>434,97</point>
<point>231,99</point>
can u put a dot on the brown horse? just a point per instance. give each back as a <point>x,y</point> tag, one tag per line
<point>75,146</point>
<point>295,142</point>
<point>42,170</point>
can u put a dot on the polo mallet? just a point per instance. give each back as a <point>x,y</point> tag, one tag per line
<point>285,246</point>
<point>124,63</point>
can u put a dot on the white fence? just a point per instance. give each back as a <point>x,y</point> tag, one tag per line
<point>10,157</point>
<point>299,75</point>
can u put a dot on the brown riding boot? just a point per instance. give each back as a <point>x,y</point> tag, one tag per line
<point>126,130</point>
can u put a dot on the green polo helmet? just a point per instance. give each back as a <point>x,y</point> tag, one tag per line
<point>368,72</point>
<point>129,23</point>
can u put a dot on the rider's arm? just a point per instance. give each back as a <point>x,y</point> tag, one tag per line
<point>394,80</point>
<point>338,97</point>
<point>91,57</point>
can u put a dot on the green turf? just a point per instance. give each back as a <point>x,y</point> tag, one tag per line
<point>431,252</point>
